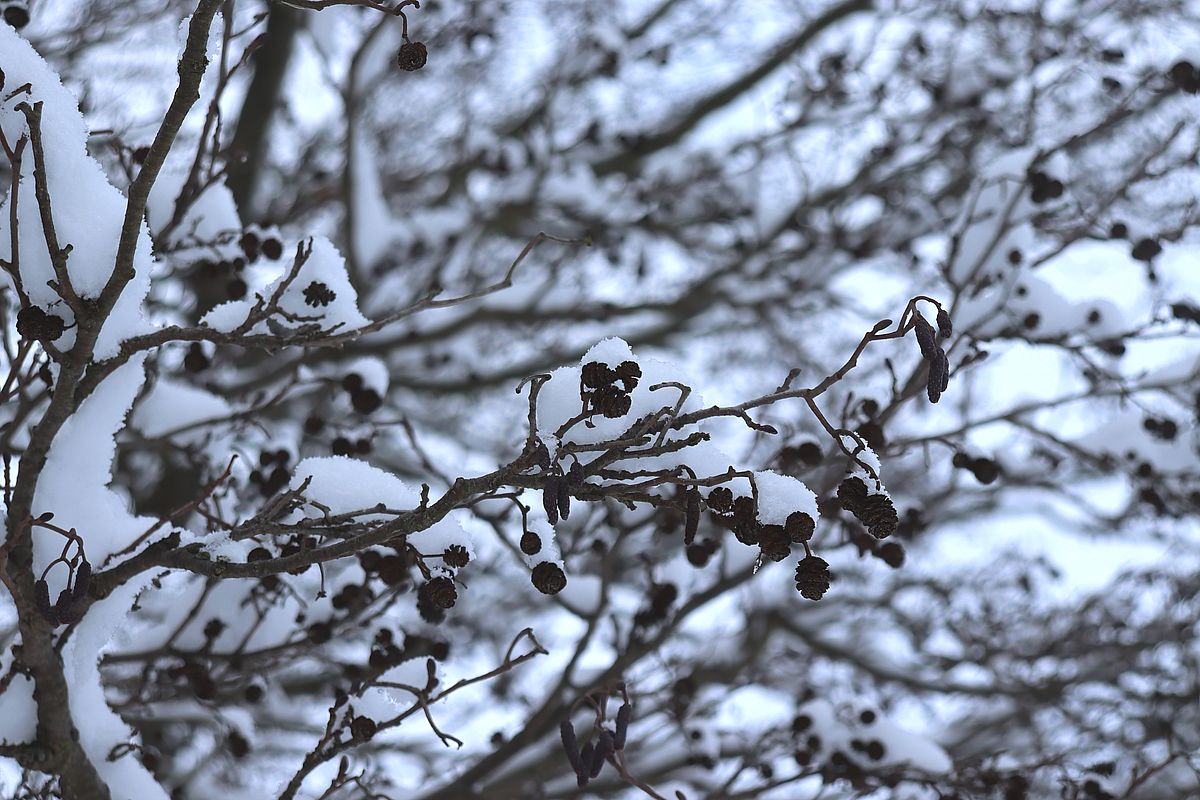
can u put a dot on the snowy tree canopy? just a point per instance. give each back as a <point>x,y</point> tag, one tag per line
<point>559,399</point>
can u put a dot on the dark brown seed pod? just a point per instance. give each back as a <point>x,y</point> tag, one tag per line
<point>363,728</point>
<point>774,542</point>
<point>945,326</point>
<point>36,324</point>
<point>799,527</point>
<point>16,16</point>
<point>851,493</point>
<point>720,500</point>
<point>550,498</point>
<point>272,248</point>
<point>564,499</point>
<point>595,375</point>
<point>691,520</point>
<point>812,577</point>
<point>926,339</point>
<point>41,601</point>
<point>548,578</point>
<point>628,372</point>
<point>575,475</point>
<point>83,579</point>
<point>318,294</point>
<point>891,554</point>
<point>531,543</point>
<point>566,732</point>
<point>440,592</point>
<point>412,56</point>
<point>456,556</point>
<point>624,714</point>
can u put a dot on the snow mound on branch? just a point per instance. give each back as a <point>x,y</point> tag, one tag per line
<point>781,495</point>
<point>227,316</point>
<point>346,484</point>
<point>172,405</point>
<point>325,265</point>
<point>74,485</point>
<point>88,211</point>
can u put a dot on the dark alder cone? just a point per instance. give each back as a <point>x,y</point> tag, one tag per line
<point>799,527</point>
<point>698,555</point>
<point>320,632</point>
<point>392,570</point>
<point>628,372</point>
<point>366,401</point>
<point>341,446</point>
<point>250,245</point>
<point>318,294</point>
<point>564,499</point>
<point>548,578</point>
<point>272,248</point>
<point>352,382</point>
<point>891,554</point>
<point>253,693</point>
<point>236,289</point>
<point>428,611</point>
<point>456,556</point>
<point>550,498</point>
<point>985,470</point>
<point>239,748</point>
<point>363,728</point>
<point>575,475</point>
<point>691,519</point>
<point>624,714</point>
<point>440,591</point>
<point>1146,250</point>
<point>851,493</point>
<point>412,56</point>
<point>1185,77</point>
<point>531,543</point>
<point>34,323</point>
<point>774,542</point>
<point>879,515</point>
<point>596,375</point>
<point>16,16</point>
<point>195,360</point>
<point>812,577</point>
<point>810,453</point>
<point>720,500</point>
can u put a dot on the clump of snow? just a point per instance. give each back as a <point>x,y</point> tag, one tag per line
<point>324,265</point>
<point>227,317</point>
<point>172,405</point>
<point>373,371</point>
<point>346,484</point>
<point>781,495</point>
<point>88,210</point>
